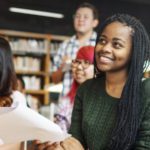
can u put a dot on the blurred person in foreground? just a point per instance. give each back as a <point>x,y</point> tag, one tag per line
<point>9,96</point>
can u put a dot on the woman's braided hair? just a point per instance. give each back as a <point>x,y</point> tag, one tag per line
<point>129,108</point>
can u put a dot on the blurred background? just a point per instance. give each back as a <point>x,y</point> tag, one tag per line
<point>33,54</point>
<point>63,26</point>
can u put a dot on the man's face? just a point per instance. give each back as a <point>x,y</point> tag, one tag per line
<point>84,20</point>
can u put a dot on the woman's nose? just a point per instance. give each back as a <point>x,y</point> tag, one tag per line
<point>107,47</point>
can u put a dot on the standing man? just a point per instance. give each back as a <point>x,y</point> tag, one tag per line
<point>85,20</point>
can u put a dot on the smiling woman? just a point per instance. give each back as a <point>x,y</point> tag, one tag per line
<point>111,111</point>
<point>113,50</point>
<point>108,112</point>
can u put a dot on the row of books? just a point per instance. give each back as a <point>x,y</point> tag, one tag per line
<point>32,82</point>
<point>27,63</point>
<point>27,45</point>
<point>33,102</point>
<point>33,45</point>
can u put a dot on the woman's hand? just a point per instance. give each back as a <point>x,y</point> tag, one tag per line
<point>38,145</point>
<point>71,144</point>
<point>55,146</point>
<point>68,144</point>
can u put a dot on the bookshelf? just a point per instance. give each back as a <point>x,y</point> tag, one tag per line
<point>33,59</point>
<point>31,54</point>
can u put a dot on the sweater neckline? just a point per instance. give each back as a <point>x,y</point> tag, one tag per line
<point>103,85</point>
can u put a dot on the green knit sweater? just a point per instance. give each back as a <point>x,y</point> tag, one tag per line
<point>94,116</point>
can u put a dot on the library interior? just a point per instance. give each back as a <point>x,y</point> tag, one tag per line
<point>35,40</point>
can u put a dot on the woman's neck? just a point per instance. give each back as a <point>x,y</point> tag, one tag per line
<point>115,83</point>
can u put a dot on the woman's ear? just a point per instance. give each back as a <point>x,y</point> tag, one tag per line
<point>95,23</point>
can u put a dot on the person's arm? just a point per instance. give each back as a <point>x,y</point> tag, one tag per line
<point>60,60</point>
<point>57,61</point>
<point>76,121</point>
<point>143,139</point>
<point>63,113</point>
<point>71,144</point>
<point>16,146</point>
<point>57,75</point>
<point>76,142</point>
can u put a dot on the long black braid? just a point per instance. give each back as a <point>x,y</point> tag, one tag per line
<point>129,108</point>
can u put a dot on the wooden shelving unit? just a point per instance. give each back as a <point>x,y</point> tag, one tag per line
<point>34,48</point>
<point>39,50</point>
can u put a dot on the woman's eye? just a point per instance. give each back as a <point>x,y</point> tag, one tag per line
<point>102,41</point>
<point>117,45</point>
<point>87,62</point>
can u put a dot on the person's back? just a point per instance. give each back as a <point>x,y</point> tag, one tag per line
<point>8,86</point>
<point>85,20</point>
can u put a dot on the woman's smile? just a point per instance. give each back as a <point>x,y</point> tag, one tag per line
<point>105,59</point>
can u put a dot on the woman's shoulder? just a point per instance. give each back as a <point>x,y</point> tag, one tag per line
<point>146,81</point>
<point>93,83</point>
<point>145,92</point>
<point>18,97</point>
<point>146,86</point>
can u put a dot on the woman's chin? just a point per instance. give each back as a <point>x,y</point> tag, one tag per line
<point>103,68</point>
<point>80,81</point>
